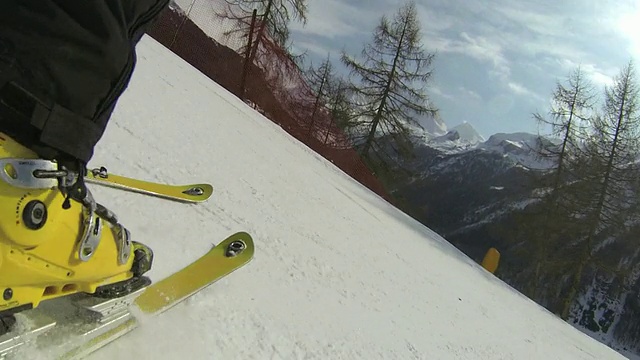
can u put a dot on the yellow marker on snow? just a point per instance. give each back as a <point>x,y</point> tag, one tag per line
<point>491,260</point>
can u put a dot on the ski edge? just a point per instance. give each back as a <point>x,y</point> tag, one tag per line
<point>101,341</point>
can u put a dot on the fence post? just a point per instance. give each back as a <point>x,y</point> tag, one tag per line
<point>326,136</point>
<point>186,16</point>
<point>315,108</point>
<point>247,55</point>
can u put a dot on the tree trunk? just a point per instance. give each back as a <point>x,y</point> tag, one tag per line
<point>385,95</point>
<point>317,100</point>
<point>541,253</point>
<point>260,34</point>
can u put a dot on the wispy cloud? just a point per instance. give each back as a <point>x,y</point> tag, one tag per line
<point>436,90</point>
<point>433,22</point>
<point>596,75</point>
<point>520,89</point>
<point>339,18</point>
<point>312,47</point>
<point>477,47</point>
<point>539,20</point>
<point>470,94</point>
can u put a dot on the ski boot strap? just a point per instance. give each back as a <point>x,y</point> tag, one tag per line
<point>77,190</point>
<point>71,183</point>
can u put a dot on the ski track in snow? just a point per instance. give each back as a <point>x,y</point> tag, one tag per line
<point>338,273</point>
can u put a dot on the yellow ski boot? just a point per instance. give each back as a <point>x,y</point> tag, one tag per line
<point>55,240</point>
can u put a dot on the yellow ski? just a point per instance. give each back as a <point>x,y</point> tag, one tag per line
<point>186,193</point>
<point>90,323</point>
<point>223,259</point>
<point>228,256</point>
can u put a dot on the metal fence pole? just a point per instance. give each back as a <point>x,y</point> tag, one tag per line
<point>245,71</point>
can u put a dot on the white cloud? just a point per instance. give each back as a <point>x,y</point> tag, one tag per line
<point>601,79</point>
<point>434,22</point>
<point>334,18</point>
<point>534,32</point>
<point>519,89</point>
<point>597,75</point>
<point>434,89</point>
<point>469,93</point>
<point>533,19</point>
<point>477,47</point>
<point>629,25</point>
<point>311,47</point>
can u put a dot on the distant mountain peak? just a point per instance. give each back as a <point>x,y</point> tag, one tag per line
<point>468,133</point>
<point>460,138</point>
<point>434,125</point>
<point>520,146</point>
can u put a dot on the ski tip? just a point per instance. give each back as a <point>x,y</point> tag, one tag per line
<point>199,274</point>
<point>240,243</point>
<point>198,192</point>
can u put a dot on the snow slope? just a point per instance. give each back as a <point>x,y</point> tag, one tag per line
<point>338,272</point>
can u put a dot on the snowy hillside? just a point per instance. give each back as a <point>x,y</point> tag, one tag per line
<point>338,272</point>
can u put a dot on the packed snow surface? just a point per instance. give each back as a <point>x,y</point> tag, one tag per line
<point>338,272</point>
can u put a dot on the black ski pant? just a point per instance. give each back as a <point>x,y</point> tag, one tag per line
<point>63,66</point>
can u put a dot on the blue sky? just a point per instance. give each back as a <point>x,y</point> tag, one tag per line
<point>497,61</point>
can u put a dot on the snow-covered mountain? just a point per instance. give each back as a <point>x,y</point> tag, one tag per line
<point>467,133</point>
<point>434,125</point>
<point>460,138</point>
<point>487,178</point>
<point>521,147</point>
<point>338,272</point>
<point>518,148</point>
<point>457,185</point>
